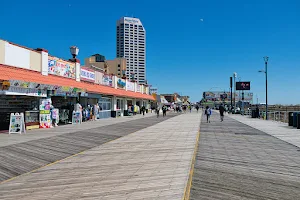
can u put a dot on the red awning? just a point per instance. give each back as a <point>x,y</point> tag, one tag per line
<point>14,73</point>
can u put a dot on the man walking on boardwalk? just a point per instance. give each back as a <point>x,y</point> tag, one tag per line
<point>222,110</point>
<point>208,113</point>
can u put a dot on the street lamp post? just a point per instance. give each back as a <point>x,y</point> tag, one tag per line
<point>266,59</point>
<point>234,77</point>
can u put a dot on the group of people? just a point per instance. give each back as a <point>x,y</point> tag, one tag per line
<point>89,112</point>
<point>208,113</point>
<point>164,109</point>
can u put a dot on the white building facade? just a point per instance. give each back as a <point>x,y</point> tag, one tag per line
<point>131,44</point>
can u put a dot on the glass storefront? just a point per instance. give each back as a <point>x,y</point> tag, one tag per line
<point>120,107</point>
<point>105,107</point>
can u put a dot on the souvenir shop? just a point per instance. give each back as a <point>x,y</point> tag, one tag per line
<point>104,103</point>
<point>20,100</point>
<point>88,101</point>
<point>65,105</point>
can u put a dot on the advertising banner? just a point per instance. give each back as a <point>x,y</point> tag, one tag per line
<point>130,86</point>
<point>45,116</point>
<point>60,67</point>
<point>107,80</point>
<point>121,83</point>
<point>87,75</point>
<point>17,123</point>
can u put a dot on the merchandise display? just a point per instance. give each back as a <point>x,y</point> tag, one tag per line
<point>32,119</point>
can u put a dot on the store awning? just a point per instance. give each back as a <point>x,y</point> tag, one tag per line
<point>14,73</point>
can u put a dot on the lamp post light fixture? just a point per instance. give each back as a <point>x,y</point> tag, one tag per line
<point>74,51</point>
<point>266,59</point>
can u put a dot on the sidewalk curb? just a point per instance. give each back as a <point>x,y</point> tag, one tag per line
<point>187,190</point>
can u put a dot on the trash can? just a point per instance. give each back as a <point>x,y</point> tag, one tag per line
<point>290,118</point>
<point>295,115</point>
<point>298,121</point>
<point>253,114</point>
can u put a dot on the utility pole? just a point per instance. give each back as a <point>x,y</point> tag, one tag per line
<point>231,92</point>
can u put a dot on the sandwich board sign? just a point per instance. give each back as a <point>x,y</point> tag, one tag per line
<point>16,123</point>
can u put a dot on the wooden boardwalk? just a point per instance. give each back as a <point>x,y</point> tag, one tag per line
<point>24,157</point>
<point>151,163</point>
<point>235,161</point>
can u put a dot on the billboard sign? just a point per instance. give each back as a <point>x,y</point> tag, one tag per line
<point>225,96</point>
<point>60,67</point>
<point>87,75</point>
<point>244,85</point>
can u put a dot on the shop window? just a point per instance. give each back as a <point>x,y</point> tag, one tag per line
<point>118,104</point>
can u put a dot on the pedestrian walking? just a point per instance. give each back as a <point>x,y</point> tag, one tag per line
<point>164,108</point>
<point>190,107</point>
<point>197,108</point>
<point>157,111</point>
<point>143,109</point>
<point>208,113</point>
<point>257,112</point>
<point>222,110</point>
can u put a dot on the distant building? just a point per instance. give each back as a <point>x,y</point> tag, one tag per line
<point>99,63</point>
<point>153,90</point>
<point>131,44</point>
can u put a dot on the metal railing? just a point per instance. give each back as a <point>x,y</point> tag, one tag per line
<point>280,116</point>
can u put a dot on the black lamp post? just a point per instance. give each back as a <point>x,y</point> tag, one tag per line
<point>266,59</point>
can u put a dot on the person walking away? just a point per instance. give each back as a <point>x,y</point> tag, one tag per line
<point>164,108</point>
<point>208,113</point>
<point>143,110</point>
<point>222,110</point>
<point>197,108</point>
<point>190,107</point>
<point>257,112</point>
<point>157,111</point>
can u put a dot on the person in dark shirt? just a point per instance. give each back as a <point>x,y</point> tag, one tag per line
<point>222,110</point>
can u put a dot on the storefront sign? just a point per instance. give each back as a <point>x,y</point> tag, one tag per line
<point>60,67</point>
<point>25,84</point>
<point>76,117</point>
<point>64,94</point>
<point>90,95</point>
<point>107,80</point>
<point>45,117</point>
<point>87,75</point>
<point>25,92</point>
<point>130,86</point>
<point>121,83</point>
<point>17,123</point>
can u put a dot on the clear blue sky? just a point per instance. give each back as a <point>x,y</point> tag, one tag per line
<point>184,54</point>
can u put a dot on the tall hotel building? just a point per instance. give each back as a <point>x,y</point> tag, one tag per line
<point>131,44</point>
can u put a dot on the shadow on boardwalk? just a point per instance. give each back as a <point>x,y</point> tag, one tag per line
<point>236,161</point>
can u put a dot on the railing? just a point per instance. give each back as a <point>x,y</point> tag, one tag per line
<point>280,116</point>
